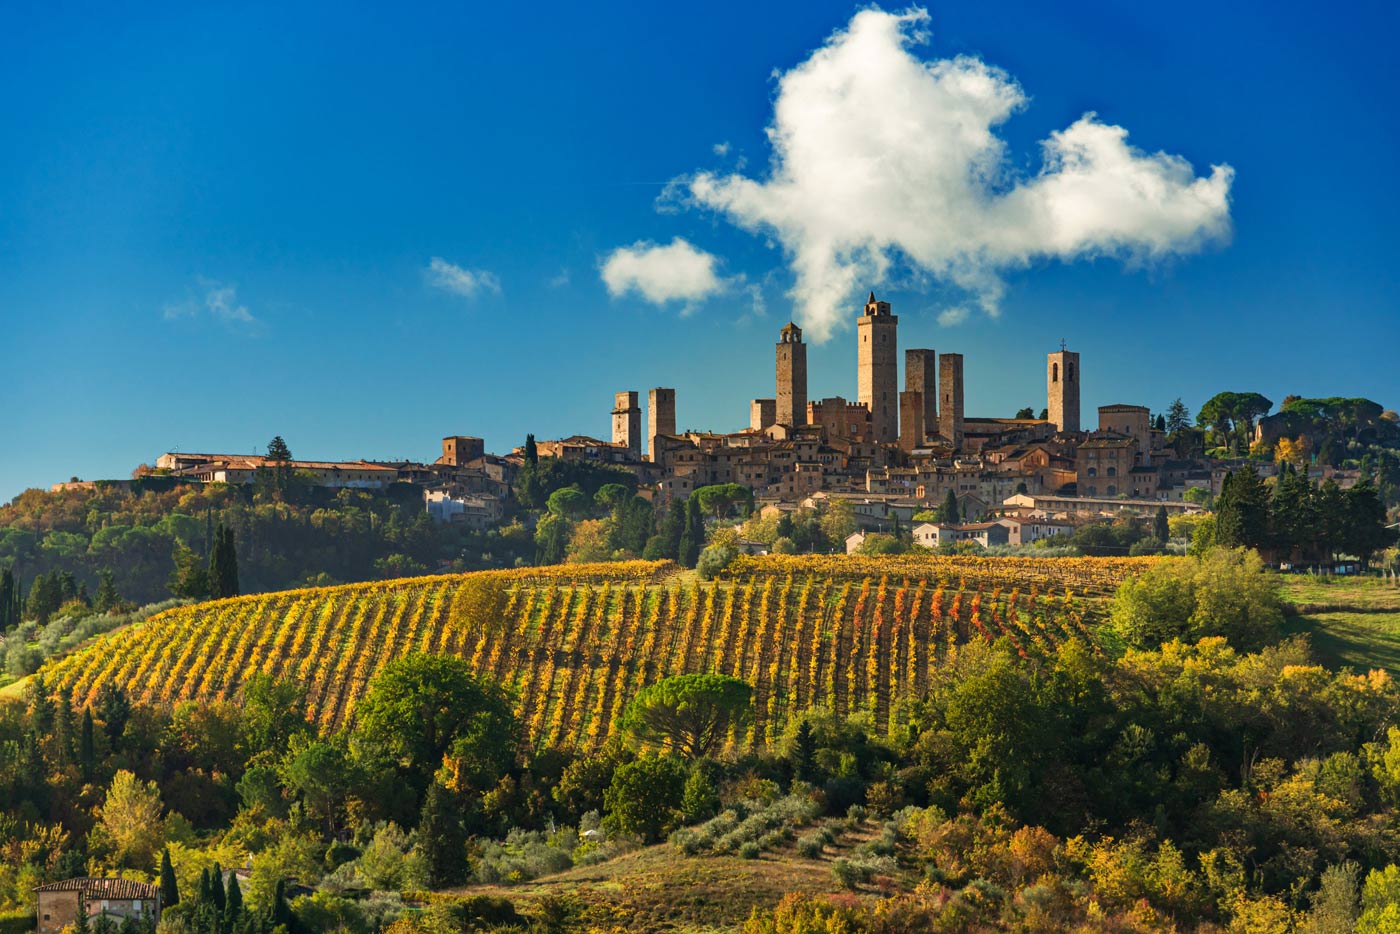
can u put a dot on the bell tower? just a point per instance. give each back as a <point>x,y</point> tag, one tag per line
<point>877,371</point>
<point>791,409</point>
<point>1062,389</point>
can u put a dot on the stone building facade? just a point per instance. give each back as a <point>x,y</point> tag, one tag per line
<point>950,388</point>
<point>661,417</point>
<point>921,375</point>
<point>877,370</point>
<point>627,422</point>
<point>791,408</point>
<point>1062,389</point>
<point>59,902</point>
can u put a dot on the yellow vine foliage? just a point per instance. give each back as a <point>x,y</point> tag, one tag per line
<point>574,643</point>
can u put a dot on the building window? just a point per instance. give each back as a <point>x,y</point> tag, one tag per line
<point>1113,471</point>
<point>1093,471</point>
<point>1054,372</point>
<point>1112,490</point>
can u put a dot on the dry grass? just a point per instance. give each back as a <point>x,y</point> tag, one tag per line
<point>658,889</point>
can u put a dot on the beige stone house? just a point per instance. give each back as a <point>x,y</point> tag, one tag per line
<point>119,898</point>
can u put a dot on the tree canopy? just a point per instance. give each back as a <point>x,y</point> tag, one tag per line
<point>690,714</point>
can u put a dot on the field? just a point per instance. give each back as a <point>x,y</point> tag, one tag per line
<point>660,889</point>
<point>575,642</point>
<point>1350,621</point>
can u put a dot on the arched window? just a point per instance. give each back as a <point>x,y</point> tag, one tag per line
<point>1112,490</point>
<point>1054,372</point>
<point>1093,471</point>
<point>1113,471</point>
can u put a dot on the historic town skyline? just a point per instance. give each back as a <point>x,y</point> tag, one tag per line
<point>364,262</point>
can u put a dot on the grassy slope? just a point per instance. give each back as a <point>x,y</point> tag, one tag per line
<point>658,889</point>
<point>1351,621</point>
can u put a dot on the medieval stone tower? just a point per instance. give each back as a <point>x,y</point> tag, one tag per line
<point>1062,389</point>
<point>627,422</point>
<point>878,369</point>
<point>921,376</point>
<point>950,384</point>
<point>661,417</point>
<point>792,378</point>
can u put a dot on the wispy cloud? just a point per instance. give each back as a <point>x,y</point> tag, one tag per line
<point>216,300</point>
<point>676,272</point>
<point>467,283</point>
<point>560,280</point>
<point>881,158</point>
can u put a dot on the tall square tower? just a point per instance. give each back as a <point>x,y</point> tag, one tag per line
<point>877,371</point>
<point>921,376</point>
<point>1062,389</point>
<point>792,378</point>
<point>627,423</point>
<point>661,417</point>
<point>950,384</point>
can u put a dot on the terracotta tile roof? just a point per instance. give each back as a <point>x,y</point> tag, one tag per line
<point>103,888</point>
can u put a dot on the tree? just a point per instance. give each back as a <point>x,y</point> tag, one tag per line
<point>692,536</point>
<point>114,710</point>
<point>274,712</point>
<point>570,503</point>
<point>223,565</point>
<point>644,796</point>
<point>551,540</point>
<point>1161,526</point>
<point>950,508</point>
<point>278,451</point>
<point>169,890</point>
<point>689,714</point>
<point>424,707</point>
<point>1027,412</point>
<point>804,752</point>
<point>532,453</point>
<point>1178,417</point>
<point>319,774</point>
<point>1242,510</point>
<point>1225,593</point>
<point>87,756</point>
<point>441,837</point>
<point>233,901</point>
<point>1366,532</point>
<point>131,817</point>
<point>108,599</point>
<point>721,499</point>
<point>9,617</point>
<point>190,579</point>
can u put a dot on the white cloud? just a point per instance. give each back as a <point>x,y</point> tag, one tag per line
<point>949,317</point>
<point>660,274</point>
<point>721,149</point>
<point>218,300</point>
<point>880,157</point>
<point>459,281</point>
<point>560,280</point>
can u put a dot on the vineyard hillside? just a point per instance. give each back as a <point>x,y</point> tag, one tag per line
<point>575,642</point>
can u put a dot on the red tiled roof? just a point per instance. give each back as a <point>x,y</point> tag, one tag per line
<point>103,888</point>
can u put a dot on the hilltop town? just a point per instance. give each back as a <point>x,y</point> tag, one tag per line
<point>892,453</point>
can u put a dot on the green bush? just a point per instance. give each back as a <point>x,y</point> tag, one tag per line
<point>1227,592</point>
<point>17,922</point>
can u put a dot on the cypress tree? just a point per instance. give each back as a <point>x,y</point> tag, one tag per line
<point>107,597</point>
<point>281,911</point>
<point>233,901</point>
<point>1161,528</point>
<point>169,889</point>
<point>87,755</point>
<point>63,726</point>
<point>223,565</point>
<point>441,836</point>
<point>804,753</point>
<point>532,453</point>
<point>693,536</point>
<point>80,923</point>
<point>950,509</point>
<point>8,619</point>
<point>206,895</point>
<point>216,887</point>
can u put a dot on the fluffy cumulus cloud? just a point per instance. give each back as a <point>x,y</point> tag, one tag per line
<point>467,283</point>
<point>676,272</point>
<point>882,157</point>
<point>217,300</point>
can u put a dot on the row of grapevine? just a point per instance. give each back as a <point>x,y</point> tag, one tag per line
<point>574,649</point>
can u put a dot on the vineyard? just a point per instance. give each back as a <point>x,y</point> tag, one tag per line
<point>575,642</point>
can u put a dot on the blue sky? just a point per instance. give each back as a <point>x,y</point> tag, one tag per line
<point>218,223</point>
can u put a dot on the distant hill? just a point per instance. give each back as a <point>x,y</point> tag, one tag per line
<point>575,642</point>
